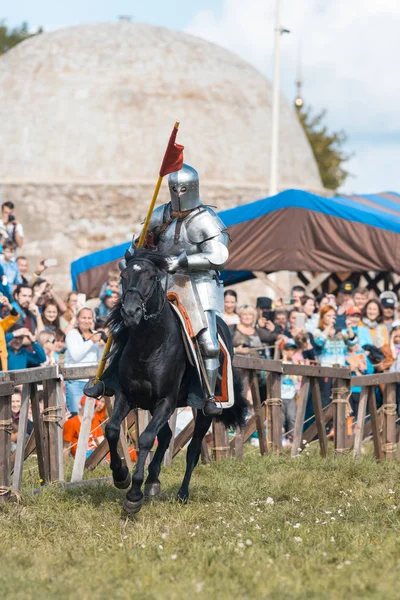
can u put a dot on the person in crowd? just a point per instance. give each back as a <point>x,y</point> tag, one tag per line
<point>23,266</point>
<point>331,347</point>
<point>298,291</point>
<point>230,315</point>
<point>19,354</point>
<point>47,341</point>
<point>353,318</point>
<point>289,387</point>
<point>244,334</point>
<point>312,318</point>
<point>357,359</point>
<point>6,323</point>
<point>360,297</point>
<point>28,311</point>
<point>10,266</point>
<point>12,229</point>
<point>99,417</point>
<point>388,302</point>
<point>112,283</point>
<point>43,290</point>
<point>281,321</point>
<point>111,298</point>
<point>16,400</point>
<point>67,319</point>
<point>59,345</point>
<point>50,316</point>
<point>371,329</point>
<point>84,347</point>
<point>345,300</point>
<point>265,326</point>
<point>306,354</point>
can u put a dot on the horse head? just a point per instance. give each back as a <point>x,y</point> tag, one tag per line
<point>143,296</point>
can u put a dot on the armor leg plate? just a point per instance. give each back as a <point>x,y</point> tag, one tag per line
<point>209,345</point>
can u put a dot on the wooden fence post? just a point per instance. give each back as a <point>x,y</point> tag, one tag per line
<point>301,410</point>
<point>319,418</point>
<point>340,401</point>
<point>259,412</point>
<point>359,430</point>
<point>274,403</point>
<point>38,433</point>
<point>53,428</point>
<point>374,423</point>
<point>21,439</point>
<point>389,409</point>
<point>5,440</point>
<point>220,441</point>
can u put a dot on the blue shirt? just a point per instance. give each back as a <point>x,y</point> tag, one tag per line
<point>12,274</point>
<point>24,358</point>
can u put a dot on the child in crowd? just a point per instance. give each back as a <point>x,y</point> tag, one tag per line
<point>289,386</point>
<point>12,275</point>
<point>111,285</point>
<point>47,341</point>
<point>357,359</point>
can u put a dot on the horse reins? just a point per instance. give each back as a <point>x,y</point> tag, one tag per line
<point>143,299</point>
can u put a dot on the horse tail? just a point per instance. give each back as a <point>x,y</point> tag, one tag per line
<point>236,415</point>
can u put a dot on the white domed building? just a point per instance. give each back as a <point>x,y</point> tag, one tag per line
<point>86,113</point>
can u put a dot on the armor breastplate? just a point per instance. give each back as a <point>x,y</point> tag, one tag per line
<point>174,240</point>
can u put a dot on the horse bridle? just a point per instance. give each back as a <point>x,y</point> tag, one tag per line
<point>144,300</point>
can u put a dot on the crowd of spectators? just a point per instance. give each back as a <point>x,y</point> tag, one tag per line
<point>355,329</point>
<point>40,326</point>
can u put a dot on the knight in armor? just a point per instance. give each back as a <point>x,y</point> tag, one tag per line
<point>195,239</point>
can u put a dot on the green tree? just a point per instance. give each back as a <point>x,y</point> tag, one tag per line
<point>12,37</point>
<point>327,147</point>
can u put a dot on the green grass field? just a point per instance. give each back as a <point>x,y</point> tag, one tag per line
<point>261,528</point>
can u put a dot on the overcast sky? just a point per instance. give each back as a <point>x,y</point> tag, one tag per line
<point>349,58</point>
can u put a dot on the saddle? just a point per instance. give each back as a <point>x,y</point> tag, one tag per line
<point>224,389</point>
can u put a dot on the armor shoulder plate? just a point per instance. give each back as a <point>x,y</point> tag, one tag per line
<point>203,224</point>
<point>157,217</point>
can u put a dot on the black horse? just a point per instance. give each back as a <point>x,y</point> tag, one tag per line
<point>154,374</point>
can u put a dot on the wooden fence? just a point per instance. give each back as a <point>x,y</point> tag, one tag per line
<point>266,419</point>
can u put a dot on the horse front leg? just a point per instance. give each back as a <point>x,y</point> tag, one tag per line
<point>134,498</point>
<point>120,473</point>
<point>201,427</point>
<point>152,485</point>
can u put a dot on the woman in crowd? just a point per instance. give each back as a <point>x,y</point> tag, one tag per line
<point>331,347</point>
<point>371,330</point>
<point>47,340</point>
<point>312,318</point>
<point>50,316</point>
<point>83,349</point>
<point>244,334</point>
<point>67,319</point>
<point>230,315</point>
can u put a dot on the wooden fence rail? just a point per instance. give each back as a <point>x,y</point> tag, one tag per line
<point>46,439</point>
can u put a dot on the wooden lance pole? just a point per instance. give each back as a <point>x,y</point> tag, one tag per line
<point>107,347</point>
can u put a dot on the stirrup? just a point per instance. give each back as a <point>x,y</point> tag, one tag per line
<point>217,409</point>
<point>88,389</point>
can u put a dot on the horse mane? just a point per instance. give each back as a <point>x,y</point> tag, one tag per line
<point>158,259</point>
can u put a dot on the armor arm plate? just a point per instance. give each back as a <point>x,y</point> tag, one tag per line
<point>213,255</point>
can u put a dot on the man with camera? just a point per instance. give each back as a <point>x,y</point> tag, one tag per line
<point>11,229</point>
<point>265,326</point>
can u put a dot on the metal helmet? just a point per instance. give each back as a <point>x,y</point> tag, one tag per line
<point>184,189</point>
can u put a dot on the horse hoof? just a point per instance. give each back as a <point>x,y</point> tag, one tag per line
<point>123,485</point>
<point>131,508</point>
<point>152,489</point>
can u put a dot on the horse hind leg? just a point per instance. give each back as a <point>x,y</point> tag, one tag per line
<point>201,427</point>
<point>152,485</point>
<point>120,473</point>
<point>134,498</point>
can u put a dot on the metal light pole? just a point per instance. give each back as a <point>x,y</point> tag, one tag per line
<point>274,165</point>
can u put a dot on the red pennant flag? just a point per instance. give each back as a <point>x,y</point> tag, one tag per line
<point>173,158</point>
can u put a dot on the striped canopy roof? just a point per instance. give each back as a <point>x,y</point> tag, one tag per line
<point>294,230</point>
